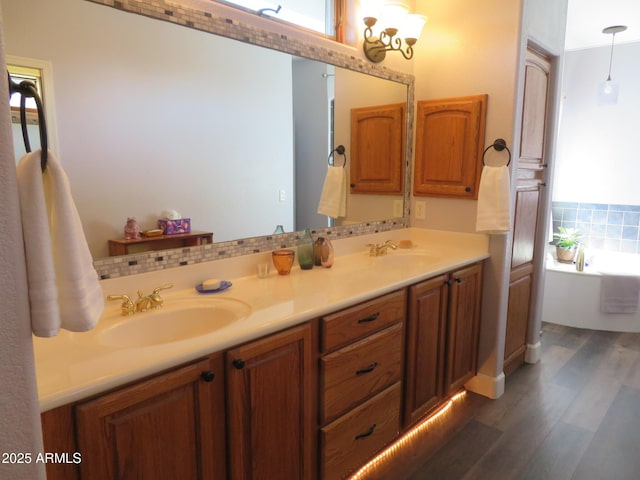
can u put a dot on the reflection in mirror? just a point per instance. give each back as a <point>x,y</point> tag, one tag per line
<point>316,15</point>
<point>153,116</point>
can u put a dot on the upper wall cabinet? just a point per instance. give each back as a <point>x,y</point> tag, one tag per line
<point>449,142</point>
<point>377,139</point>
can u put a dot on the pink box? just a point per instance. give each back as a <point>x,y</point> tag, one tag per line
<point>170,227</point>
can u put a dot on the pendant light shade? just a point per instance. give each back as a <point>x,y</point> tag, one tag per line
<point>608,90</point>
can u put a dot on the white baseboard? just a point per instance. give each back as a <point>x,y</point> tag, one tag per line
<point>490,387</point>
<point>532,353</point>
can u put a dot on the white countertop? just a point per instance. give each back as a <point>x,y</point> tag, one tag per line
<point>73,366</point>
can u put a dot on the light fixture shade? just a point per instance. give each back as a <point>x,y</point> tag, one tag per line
<point>393,15</point>
<point>371,8</point>
<point>413,25</point>
<point>608,92</point>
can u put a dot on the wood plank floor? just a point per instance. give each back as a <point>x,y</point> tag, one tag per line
<point>574,415</point>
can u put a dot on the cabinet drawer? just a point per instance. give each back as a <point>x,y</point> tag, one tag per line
<point>357,322</point>
<point>355,437</point>
<point>360,370</point>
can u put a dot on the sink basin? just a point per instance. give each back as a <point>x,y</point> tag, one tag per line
<point>173,323</point>
<point>405,259</point>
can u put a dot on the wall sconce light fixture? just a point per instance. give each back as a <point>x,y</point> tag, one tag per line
<point>395,23</point>
<point>608,90</point>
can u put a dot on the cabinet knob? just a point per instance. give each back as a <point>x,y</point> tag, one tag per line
<point>352,185</point>
<point>208,376</point>
<point>467,189</point>
<point>238,363</point>
<point>457,280</point>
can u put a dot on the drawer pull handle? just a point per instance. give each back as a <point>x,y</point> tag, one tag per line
<point>368,369</point>
<point>370,318</point>
<point>367,433</point>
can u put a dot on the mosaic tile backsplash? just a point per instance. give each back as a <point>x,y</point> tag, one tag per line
<point>114,267</point>
<point>609,227</point>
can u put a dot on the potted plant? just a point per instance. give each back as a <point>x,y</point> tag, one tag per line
<point>567,244</point>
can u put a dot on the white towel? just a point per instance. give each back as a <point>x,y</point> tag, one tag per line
<point>333,201</point>
<point>494,201</point>
<point>619,293</point>
<point>64,291</point>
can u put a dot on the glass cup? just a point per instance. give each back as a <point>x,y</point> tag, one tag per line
<point>283,260</point>
<point>263,270</point>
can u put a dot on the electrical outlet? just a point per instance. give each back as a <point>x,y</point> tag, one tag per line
<point>398,208</point>
<point>282,195</point>
<point>420,210</point>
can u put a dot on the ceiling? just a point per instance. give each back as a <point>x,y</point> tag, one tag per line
<point>587,18</point>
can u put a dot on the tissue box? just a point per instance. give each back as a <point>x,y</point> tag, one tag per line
<point>171,227</point>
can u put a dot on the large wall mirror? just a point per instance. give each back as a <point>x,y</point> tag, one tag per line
<point>153,116</point>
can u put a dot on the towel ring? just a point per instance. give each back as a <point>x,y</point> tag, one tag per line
<point>499,144</point>
<point>340,150</point>
<point>28,89</point>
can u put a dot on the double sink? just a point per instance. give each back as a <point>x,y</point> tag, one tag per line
<point>185,318</point>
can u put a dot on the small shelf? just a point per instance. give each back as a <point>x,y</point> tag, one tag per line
<point>123,246</point>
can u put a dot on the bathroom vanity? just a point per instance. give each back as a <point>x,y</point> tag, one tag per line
<point>322,370</point>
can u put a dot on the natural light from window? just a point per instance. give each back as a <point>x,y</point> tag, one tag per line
<point>315,15</point>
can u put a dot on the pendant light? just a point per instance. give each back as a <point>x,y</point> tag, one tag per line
<point>608,90</point>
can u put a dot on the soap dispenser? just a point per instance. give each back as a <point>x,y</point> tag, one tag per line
<point>580,259</point>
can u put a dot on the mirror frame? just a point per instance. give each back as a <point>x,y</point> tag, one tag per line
<point>214,22</point>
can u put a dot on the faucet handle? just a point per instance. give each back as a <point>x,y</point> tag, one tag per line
<point>156,299</point>
<point>127,307</point>
<point>162,287</point>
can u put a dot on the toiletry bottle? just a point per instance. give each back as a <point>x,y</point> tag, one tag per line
<point>580,258</point>
<point>305,250</point>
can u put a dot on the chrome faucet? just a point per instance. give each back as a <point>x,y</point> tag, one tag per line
<point>127,307</point>
<point>151,301</point>
<point>380,249</point>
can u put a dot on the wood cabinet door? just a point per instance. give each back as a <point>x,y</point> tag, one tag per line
<point>534,110</point>
<point>425,347</point>
<point>449,146</point>
<point>377,152</point>
<point>58,435</point>
<point>517,317</point>
<point>529,182</point>
<point>525,224</point>
<point>171,427</point>
<point>270,407</point>
<point>464,326</point>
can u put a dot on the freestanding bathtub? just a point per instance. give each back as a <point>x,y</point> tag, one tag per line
<point>572,298</point>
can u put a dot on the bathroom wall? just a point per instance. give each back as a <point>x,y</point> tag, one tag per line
<point>19,409</point>
<point>597,155</point>
<point>611,227</point>
<point>470,49</point>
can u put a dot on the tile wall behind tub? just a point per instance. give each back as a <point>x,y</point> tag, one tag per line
<point>604,226</point>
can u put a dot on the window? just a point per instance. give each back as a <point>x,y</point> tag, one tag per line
<point>316,15</point>
<point>33,74</point>
<point>19,74</point>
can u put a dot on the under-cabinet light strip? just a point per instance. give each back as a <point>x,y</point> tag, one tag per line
<point>391,450</point>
